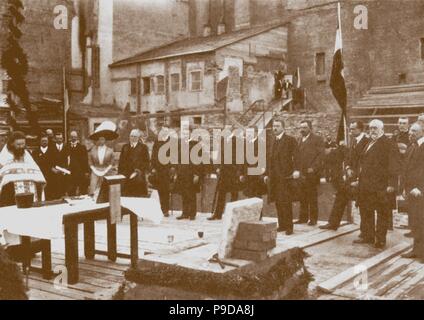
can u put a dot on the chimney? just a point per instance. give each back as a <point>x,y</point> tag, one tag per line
<point>221,28</point>
<point>207,30</point>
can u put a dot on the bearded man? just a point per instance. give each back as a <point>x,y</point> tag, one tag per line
<point>18,171</point>
<point>377,179</point>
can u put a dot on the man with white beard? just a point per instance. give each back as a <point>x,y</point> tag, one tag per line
<point>378,173</point>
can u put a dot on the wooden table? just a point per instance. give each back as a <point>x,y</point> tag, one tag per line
<point>88,218</point>
<point>70,223</point>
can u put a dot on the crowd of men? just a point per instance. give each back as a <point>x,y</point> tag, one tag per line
<point>372,170</point>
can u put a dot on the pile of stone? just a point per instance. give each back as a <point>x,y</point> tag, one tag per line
<point>254,239</point>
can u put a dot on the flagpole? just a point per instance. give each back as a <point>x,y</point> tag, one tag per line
<point>65,102</point>
<point>345,116</point>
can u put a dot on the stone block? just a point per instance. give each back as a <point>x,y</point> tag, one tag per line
<point>249,255</point>
<point>261,245</point>
<point>235,213</point>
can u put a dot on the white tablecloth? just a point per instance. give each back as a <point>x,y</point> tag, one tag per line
<point>47,222</point>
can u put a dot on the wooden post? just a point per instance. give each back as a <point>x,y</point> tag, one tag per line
<point>89,240</point>
<point>134,239</point>
<point>114,183</point>
<point>71,251</point>
<point>46,259</point>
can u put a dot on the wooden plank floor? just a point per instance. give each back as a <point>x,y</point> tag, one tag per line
<point>101,279</point>
<point>395,279</point>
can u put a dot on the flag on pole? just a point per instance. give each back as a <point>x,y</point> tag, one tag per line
<point>297,84</point>
<point>337,81</point>
<point>65,105</point>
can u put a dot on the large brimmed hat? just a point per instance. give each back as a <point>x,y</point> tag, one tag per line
<point>106,129</point>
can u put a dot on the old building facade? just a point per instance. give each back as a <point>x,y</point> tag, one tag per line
<point>185,75</point>
<point>115,61</point>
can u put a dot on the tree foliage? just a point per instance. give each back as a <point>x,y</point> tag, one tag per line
<point>15,62</point>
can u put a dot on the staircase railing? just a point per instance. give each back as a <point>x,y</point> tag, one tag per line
<point>249,109</point>
<point>266,110</point>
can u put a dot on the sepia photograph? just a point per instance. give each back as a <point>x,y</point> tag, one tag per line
<point>211,154</point>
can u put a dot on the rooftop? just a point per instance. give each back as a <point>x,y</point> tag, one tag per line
<point>196,45</point>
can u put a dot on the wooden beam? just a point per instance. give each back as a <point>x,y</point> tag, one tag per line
<point>331,284</point>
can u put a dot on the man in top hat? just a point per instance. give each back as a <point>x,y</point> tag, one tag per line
<point>101,156</point>
<point>78,166</point>
<point>133,164</point>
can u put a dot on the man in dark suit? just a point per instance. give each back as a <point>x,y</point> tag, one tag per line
<point>60,161</point>
<point>308,166</point>
<point>188,178</point>
<point>402,141</point>
<point>403,136</point>
<point>133,164</point>
<point>228,177</point>
<point>414,190</point>
<point>347,159</point>
<point>50,135</point>
<point>254,185</point>
<point>378,172</point>
<point>279,174</point>
<point>43,156</point>
<point>78,165</point>
<point>160,176</point>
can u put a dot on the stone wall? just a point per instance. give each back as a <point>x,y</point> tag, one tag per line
<point>323,123</point>
<point>372,57</point>
<point>47,48</point>
<point>141,25</point>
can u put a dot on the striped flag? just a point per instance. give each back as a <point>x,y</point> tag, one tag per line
<point>66,106</point>
<point>297,84</point>
<point>337,81</point>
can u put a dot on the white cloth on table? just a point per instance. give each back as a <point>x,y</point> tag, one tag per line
<point>41,222</point>
<point>47,222</point>
<point>146,208</point>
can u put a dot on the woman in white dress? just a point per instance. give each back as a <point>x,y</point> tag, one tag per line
<point>101,157</point>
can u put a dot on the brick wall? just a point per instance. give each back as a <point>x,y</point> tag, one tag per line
<point>47,49</point>
<point>323,123</point>
<point>141,25</point>
<point>372,57</point>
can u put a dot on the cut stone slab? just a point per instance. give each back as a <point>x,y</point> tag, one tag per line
<point>247,210</point>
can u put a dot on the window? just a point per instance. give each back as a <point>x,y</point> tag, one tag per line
<point>146,85</point>
<point>152,85</point>
<point>160,84</point>
<point>422,48</point>
<point>133,91</point>
<point>195,80</point>
<point>320,64</point>
<point>197,120</point>
<point>5,85</point>
<point>175,82</point>
<point>175,122</point>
